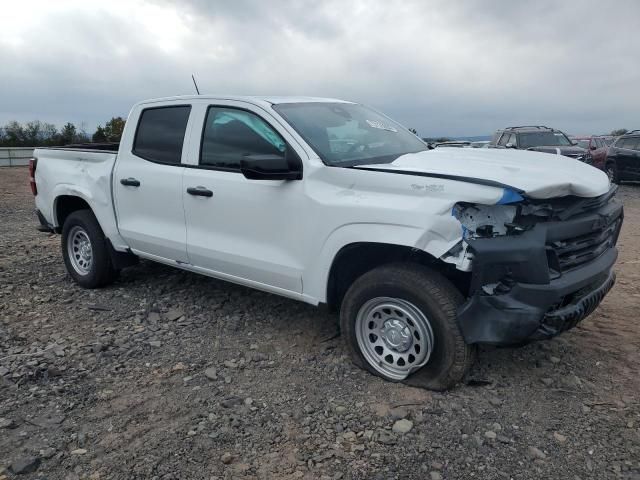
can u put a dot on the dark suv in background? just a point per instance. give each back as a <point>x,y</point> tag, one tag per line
<point>540,139</point>
<point>623,158</point>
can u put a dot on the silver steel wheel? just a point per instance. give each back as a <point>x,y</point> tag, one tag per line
<point>394,336</point>
<point>80,250</point>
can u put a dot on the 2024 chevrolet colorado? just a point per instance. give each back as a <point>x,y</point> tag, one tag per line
<point>425,253</point>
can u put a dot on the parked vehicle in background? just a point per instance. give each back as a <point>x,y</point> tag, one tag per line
<point>539,139</point>
<point>623,158</point>
<point>596,147</point>
<point>481,144</point>
<point>425,253</point>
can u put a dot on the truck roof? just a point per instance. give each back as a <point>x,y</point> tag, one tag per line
<point>256,99</point>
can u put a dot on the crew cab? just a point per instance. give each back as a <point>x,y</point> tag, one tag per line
<point>424,253</point>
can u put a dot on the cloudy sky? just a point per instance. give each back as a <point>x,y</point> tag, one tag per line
<point>442,67</point>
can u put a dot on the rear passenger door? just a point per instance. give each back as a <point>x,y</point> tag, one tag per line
<point>147,183</point>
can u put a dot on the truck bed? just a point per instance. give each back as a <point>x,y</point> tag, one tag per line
<point>77,171</point>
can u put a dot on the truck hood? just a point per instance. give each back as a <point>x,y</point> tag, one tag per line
<point>536,175</point>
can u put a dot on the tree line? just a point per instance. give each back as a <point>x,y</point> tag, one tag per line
<point>42,134</point>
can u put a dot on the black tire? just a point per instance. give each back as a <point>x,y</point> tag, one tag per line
<point>101,271</point>
<point>436,298</point>
<point>611,170</point>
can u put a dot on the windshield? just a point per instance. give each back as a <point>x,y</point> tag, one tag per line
<point>539,139</point>
<point>346,134</point>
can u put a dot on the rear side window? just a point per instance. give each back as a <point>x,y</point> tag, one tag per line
<point>160,134</point>
<point>231,135</point>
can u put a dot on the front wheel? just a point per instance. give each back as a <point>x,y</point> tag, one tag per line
<point>399,322</point>
<point>85,253</point>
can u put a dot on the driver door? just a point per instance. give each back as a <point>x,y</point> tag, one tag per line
<point>248,231</point>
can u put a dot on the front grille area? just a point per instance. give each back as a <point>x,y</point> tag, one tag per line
<point>575,251</point>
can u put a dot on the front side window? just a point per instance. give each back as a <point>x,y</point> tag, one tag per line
<point>543,139</point>
<point>231,135</point>
<point>160,134</point>
<point>347,134</point>
<point>626,143</point>
<point>634,143</point>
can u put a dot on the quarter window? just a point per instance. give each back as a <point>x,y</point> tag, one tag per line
<point>160,134</point>
<point>231,135</point>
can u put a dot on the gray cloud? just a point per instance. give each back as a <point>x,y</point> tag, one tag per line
<point>457,68</point>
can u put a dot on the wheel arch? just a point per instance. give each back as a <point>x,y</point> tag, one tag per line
<point>64,205</point>
<point>357,258</point>
<point>70,198</point>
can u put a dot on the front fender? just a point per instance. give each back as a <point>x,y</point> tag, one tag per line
<point>440,235</point>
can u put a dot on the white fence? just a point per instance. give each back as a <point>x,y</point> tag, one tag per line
<point>13,156</point>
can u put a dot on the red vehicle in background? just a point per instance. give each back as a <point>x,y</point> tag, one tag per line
<point>597,147</point>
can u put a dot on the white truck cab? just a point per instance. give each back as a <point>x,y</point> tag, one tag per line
<point>425,253</point>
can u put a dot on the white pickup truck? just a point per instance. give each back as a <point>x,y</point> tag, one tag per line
<point>425,253</point>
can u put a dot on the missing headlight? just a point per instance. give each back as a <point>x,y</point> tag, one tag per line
<point>482,221</point>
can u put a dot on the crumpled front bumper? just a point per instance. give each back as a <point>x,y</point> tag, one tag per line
<point>519,295</point>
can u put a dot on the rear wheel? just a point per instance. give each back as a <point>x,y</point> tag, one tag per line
<point>85,253</point>
<point>399,322</point>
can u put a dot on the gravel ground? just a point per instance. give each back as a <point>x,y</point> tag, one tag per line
<point>170,375</point>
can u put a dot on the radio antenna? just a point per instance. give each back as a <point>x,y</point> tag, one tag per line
<point>195,84</point>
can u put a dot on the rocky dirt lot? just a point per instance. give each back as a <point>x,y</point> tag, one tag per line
<point>170,375</point>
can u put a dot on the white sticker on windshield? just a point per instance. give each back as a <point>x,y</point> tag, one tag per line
<point>381,126</point>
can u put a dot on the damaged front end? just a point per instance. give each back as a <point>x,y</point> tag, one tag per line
<point>537,267</point>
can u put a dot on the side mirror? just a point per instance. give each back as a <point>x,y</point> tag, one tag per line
<point>573,142</point>
<point>510,145</point>
<point>593,147</point>
<point>285,166</point>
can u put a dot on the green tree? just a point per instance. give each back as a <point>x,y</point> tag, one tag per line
<point>32,133</point>
<point>100,136</point>
<point>619,131</point>
<point>14,134</point>
<point>113,129</point>
<point>49,134</point>
<point>68,134</point>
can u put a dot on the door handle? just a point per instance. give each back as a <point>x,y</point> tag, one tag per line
<point>130,182</point>
<point>200,191</point>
